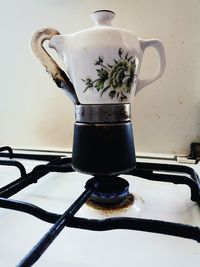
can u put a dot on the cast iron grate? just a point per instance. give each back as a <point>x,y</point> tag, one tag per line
<point>151,171</point>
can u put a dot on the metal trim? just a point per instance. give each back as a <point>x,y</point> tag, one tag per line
<point>103,113</point>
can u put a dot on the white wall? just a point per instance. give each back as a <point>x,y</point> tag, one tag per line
<point>166,114</point>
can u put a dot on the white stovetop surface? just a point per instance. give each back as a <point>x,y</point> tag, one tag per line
<point>81,248</point>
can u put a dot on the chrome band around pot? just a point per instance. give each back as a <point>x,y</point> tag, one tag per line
<point>106,113</point>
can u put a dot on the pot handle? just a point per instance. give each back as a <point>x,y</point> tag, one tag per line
<point>58,75</point>
<point>162,62</point>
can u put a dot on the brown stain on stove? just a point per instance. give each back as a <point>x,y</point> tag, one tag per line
<point>112,209</point>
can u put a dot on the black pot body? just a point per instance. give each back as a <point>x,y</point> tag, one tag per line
<point>103,148</point>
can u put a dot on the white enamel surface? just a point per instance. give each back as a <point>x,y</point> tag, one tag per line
<point>80,50</point>
<point>80,248</point>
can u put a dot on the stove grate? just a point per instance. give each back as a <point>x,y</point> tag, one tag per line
<point>157,172</point>
<point>172,173</point>
<point>14,163</point>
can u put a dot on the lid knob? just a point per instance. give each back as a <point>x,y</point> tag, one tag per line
<point>102,17</point>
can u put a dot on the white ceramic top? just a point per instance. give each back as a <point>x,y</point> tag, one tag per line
<point>102,62</point>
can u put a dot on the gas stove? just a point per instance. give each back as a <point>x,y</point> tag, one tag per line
<point>54,216</point>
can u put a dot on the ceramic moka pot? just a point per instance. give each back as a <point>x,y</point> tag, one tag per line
<point>101,77</point>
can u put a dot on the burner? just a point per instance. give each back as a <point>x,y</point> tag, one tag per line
<point>109,191</point>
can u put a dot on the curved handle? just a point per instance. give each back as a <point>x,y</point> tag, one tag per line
<point>162,62</point>
<point>51,66</point>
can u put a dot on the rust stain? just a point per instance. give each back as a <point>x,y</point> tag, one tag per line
<point>112,209</point>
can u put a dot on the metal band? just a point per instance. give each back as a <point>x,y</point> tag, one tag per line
<point>104,113</point>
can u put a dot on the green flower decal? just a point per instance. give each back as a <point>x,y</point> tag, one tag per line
<point>117,78</point>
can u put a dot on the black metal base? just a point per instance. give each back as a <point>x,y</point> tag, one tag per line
<point>103,149</point>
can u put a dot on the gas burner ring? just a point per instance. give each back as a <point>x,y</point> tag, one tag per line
<point>110,190</point>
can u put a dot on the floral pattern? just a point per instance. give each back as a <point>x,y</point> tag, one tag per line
<point>116,79</point>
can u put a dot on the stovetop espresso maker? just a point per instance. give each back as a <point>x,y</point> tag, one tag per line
<point>101,77</point>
